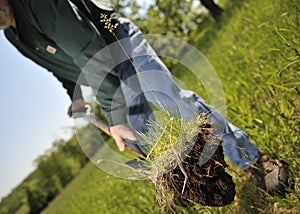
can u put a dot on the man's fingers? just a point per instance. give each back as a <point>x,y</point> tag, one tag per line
<point>70,111</point>
<point>76,106</point>
<point>120,144</point>
<point>120,133</point>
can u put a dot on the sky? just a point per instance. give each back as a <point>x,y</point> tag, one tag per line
<point>33,112</point>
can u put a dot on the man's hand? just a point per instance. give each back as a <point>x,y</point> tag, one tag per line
<point>120,133</point>
<point>76,106</point>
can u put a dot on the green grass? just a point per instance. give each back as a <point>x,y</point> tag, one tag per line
<point>255,51</point>
<point>94,191</point>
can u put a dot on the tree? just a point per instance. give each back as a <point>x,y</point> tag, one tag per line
<point>37,197</point>
<point>212,7</point>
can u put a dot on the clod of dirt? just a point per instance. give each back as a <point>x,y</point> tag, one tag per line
<point>208,184</point>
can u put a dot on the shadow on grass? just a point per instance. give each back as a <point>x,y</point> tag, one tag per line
<point>251,199</point>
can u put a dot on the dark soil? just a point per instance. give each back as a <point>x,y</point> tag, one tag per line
<point>208,184</point>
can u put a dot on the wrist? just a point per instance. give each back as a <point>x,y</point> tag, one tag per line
<point>78,102</point>
<point>78,105</point>
<point>116,117</point>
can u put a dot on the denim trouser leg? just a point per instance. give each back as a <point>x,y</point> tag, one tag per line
<point>236,145</point>
<point>238,148</point>
<point>153,84</point>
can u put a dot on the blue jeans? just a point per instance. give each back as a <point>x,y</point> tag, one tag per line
<point>145,79</point>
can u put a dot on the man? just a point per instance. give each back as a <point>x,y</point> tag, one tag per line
<point>69,39</point>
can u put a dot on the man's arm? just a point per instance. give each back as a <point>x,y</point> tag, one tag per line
<point>75,35</point>
<point>75,94</point>
<point>118,132</point>
<point>73,89</point>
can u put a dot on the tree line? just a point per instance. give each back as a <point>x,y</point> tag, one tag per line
<point>54,170</point>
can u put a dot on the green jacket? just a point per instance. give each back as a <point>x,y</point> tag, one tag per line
<point>51,64</point>
<point>59,37</point>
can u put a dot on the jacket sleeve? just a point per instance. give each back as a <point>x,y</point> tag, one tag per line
<point>73,89</point>
<point>74,33</point>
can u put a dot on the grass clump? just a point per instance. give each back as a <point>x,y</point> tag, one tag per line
<point>174,168</point>
<point>168,133</point>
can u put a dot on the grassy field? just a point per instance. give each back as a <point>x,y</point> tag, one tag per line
<point>255,51</point>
